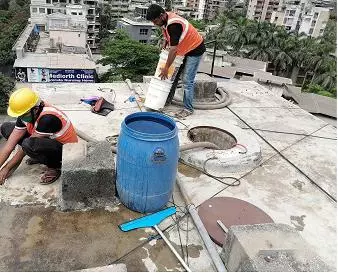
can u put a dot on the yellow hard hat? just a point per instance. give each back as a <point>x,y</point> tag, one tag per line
<point>21,101</point>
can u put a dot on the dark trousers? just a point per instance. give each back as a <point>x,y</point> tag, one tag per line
<point>46,151</point>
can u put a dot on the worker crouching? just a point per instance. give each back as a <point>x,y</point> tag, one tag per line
<point>40,130</point>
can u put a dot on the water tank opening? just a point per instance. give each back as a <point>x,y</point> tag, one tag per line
<point>149,125</point>
<point>223,139</point>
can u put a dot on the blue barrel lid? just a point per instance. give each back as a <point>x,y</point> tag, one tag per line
<point>150,126</point>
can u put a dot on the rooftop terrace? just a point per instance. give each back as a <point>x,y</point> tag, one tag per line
<point>294,183</point>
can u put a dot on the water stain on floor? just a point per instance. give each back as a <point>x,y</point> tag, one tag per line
<point>44,239</point>
<point>188,171</point>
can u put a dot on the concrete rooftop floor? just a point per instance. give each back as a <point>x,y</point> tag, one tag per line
<point>295,184</point>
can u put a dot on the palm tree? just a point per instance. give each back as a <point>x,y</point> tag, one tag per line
<point>327,77</point>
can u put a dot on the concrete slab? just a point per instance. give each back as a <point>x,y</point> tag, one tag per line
<point>288,197</point>
<point>317,157</point>
<point>269,247</point>
<point>23,187</point>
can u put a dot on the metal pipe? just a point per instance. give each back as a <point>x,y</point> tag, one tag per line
<point>213,59</point>
<point>201,229</point>
<point>172,248</point>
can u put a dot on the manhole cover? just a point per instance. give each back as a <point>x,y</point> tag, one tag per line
<point>231,211</point>
<point>223,139</point>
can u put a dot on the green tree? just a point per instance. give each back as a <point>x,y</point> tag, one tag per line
<point>6,86</point>
<point>198,24</point>
<point>128,59</point>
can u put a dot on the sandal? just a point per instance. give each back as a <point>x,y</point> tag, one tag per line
<point>50,176</point>
<point>32,161</point>
<point>183,114</point>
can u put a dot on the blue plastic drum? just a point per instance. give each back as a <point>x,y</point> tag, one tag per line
<point>147,158</point>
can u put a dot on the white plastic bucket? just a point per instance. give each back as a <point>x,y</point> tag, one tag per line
<point>157,93</point>
<point>173,69</point>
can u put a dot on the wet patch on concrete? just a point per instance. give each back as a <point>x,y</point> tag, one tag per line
<point>188,171</point>
<point>298,222</point>
<point>43,239</point>
<point>154,256</point>
<point>298,184</point>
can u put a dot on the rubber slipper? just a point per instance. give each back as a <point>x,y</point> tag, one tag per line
<point>50,176</point>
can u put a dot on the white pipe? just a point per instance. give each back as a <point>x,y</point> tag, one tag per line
<point>201,229</point>
<point>172,248</point>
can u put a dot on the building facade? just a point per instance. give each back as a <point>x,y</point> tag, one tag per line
<point>262,10</point>
<point>137,30</point>
<point>303,17</point>
<point>76,10</point>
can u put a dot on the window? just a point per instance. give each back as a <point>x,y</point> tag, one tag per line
<point>321,31</point>
<point>34,10</point>
<point>49,11</point>
<point>316,15</point>
<point>42,10</point>
<point>313,23</point>
<point>48,2</point>
<point>143,41</point>
<point>143,31</point>
<point>80,13</point>
<point>292,12</point>
<point>311,31</point>
<point>74,13</point>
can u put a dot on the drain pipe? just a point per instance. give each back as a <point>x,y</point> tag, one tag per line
<point>223,101</point>
<point>201,229</point>
<point>84,136</point>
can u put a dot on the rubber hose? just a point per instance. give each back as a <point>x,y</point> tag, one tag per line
<point>188,146</point>
<point>198,145</point>
<point>225,100</point>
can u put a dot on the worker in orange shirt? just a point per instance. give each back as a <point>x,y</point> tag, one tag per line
<point>183,40</point>
<point>40,130</point>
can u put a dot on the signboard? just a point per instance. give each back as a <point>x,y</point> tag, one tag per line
<point>71,75</point>
<point>37,74</point>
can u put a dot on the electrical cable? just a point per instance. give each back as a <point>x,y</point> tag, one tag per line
<point>288,133</point>
<point>213,176</point>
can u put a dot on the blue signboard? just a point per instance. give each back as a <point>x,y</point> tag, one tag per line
<point>71,75</point>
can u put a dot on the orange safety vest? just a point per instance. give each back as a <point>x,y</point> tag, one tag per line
<point>190,38</point>
<point>67,134</point>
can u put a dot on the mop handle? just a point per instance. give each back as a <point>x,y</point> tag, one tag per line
<point>172,248</point>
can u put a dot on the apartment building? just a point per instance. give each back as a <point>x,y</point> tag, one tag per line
<point>302,16</point>
<point>197,8</point>
<point>262,10</point>
<point>72,10</point>
<point>139,30</point>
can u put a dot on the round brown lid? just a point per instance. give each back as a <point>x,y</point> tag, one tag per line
<point>231,211</point>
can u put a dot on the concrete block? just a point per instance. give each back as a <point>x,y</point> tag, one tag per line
<point>88,176</point>
<point>146,79</point>
<point>204,89</point>
<point>269,247</point>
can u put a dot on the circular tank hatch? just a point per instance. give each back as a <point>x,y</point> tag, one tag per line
<point>223,139</point>
<point>231,211</point>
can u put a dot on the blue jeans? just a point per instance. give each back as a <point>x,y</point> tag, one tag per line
<point>189,74</point>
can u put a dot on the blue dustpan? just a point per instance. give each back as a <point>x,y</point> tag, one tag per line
<point>149,220</point>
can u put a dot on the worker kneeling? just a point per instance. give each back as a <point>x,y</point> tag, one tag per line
<point>40,130</point>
